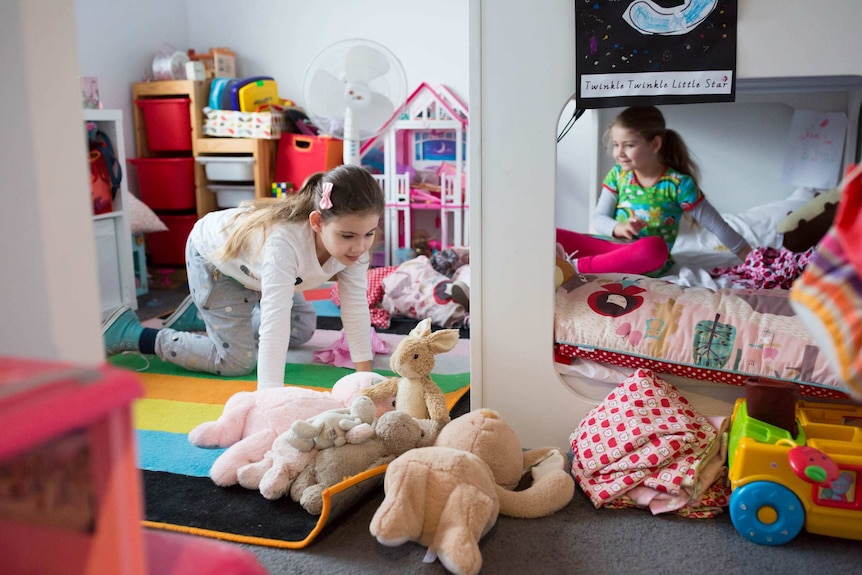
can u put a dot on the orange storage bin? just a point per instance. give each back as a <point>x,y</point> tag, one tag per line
<point>169,248</point>
<point>168,123</point>
<point>299,156</point>
<point>166,183</point>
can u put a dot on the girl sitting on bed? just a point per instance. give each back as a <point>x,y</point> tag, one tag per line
<point>642,202</point>
<point>266,251</point>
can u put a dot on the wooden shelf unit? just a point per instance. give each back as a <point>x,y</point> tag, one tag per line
<point>197,91</point>
<point>262,150</point>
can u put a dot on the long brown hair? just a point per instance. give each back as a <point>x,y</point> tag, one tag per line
<point>354,192</point>
<point>648,122</point>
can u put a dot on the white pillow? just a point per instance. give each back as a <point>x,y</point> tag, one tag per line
<point>757,225</point>
<point>142,220</point>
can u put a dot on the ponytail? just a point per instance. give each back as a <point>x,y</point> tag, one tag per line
<point>675,154</point>
<point>353,191</point>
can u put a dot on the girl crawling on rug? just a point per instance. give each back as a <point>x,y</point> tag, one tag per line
<point>265,252</point>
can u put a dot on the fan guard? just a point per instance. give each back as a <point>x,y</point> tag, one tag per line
<point>351,89</point>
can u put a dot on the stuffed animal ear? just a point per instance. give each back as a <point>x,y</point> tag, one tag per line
<point>443,340</point>
<point>563,272</point>
<point>423,328</point>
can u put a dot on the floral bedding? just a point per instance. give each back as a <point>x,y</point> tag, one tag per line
<point>723,335</point>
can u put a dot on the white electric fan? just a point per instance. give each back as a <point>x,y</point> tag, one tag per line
<point>351,89</point>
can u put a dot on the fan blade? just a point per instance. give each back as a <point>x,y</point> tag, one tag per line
<point>363,64</point>
<point>324,95</point>
<point>371,118</point>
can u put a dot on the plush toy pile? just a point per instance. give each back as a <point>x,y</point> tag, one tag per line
<point>252,420</point>
<point>298,441</point>
<point>446,481</point>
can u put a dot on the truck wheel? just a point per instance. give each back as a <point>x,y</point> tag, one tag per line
<point>766,513</point>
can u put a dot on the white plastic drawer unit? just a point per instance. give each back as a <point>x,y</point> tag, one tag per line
<point>229,196</point>
<point>228,168</point>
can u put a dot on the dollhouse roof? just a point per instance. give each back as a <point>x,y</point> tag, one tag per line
<point>425,104</point>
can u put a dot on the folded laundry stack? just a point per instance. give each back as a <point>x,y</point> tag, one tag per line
<point>645,446</point>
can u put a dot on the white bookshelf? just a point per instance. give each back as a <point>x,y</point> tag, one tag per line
<point>112,230</point>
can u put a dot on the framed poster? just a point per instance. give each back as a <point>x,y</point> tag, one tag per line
<point>651,52</point>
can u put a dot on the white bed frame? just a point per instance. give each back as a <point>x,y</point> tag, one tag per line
<point>522,75</point>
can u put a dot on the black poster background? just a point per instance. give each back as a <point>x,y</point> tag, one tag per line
<point>617,65</point>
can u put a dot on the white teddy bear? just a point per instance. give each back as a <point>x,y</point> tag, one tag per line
<point>334,427</point>
<point>276,471</point>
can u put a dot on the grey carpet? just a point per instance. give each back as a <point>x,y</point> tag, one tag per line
<point>577,540</point>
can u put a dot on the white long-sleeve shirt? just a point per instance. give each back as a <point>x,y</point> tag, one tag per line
<point>286,262</point>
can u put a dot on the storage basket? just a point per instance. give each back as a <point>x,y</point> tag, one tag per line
<point>169,248</point>
<point>166,183</point>
<point>228,168</point>
<point>168,123</point>
<point>299,156</point>
<point>267,125</point>
<point>228,196</point>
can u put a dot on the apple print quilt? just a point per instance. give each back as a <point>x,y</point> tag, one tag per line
<point>646,446</point>
<point>724,335</point>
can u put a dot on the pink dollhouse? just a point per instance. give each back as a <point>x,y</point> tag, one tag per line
<point>419,160</point>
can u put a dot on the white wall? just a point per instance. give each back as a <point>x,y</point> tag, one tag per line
<point>117,41</point>
<point>280,38</point>
<point>740,147</point>
<point>277,38</point>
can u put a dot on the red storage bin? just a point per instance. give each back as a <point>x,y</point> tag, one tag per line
<point>168,123</point>
<point>166,183</point>
<point>169,248</point>
<point>299,156</point>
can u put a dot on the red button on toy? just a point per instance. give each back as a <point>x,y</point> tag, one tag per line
<point>812,465</point>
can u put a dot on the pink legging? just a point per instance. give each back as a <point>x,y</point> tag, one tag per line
<point>597,255</point>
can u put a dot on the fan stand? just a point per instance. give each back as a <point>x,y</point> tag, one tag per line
<point>351,139</point>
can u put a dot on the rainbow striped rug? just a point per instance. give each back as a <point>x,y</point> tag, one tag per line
<point>178,493</point>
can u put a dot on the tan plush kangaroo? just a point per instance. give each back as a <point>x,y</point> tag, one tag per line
<point>413,360</point>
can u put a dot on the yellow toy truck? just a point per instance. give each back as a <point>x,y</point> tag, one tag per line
<point>804,475</point>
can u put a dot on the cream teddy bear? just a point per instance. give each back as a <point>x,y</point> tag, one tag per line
<point>449,495</point>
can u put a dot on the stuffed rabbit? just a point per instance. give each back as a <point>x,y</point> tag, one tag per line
<point>413,359</point>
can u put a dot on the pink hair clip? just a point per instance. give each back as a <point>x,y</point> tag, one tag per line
<point>325,201</point>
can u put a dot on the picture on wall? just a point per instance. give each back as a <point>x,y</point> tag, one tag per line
<point>651,52</point>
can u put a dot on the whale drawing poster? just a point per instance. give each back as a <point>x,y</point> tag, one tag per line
<point>651,52</point>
